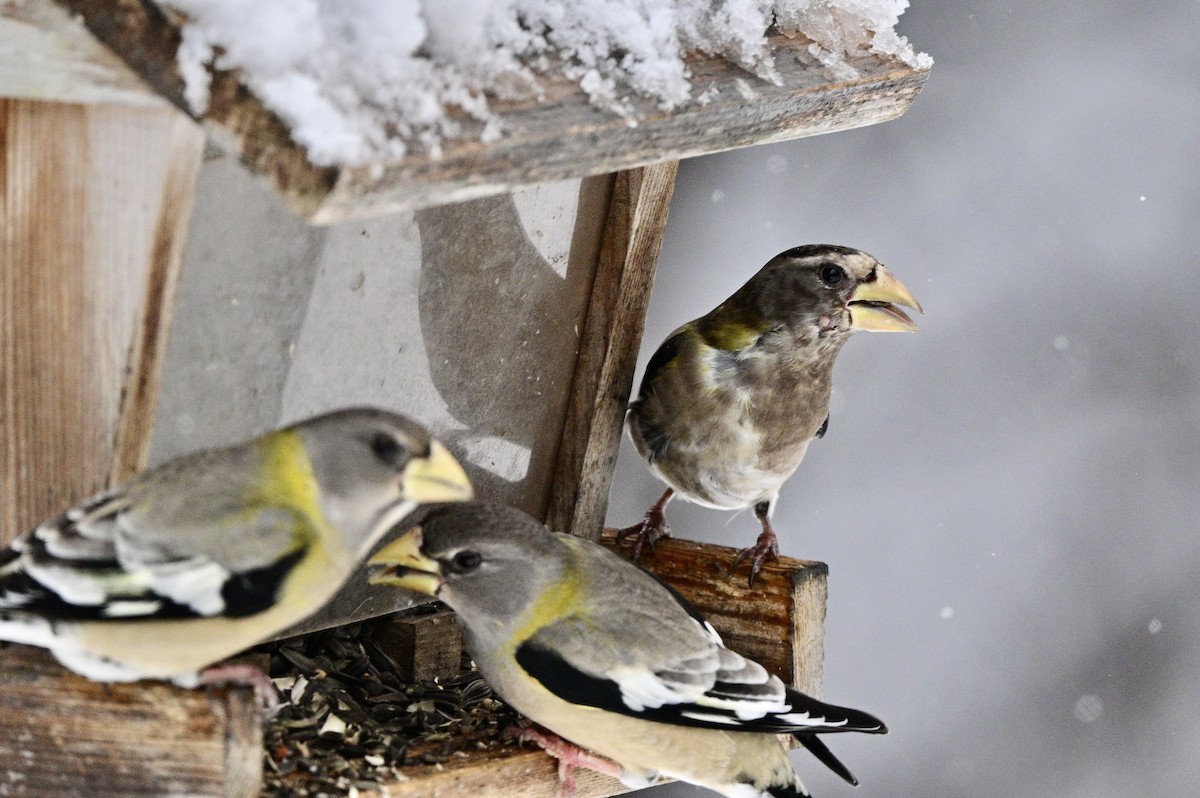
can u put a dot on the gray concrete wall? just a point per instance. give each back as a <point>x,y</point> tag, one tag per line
<point>465,317</point>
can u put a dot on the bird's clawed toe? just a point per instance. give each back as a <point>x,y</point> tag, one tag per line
<point>766,547</point>
<point>645,534</point>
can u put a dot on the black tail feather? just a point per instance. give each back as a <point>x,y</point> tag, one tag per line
<point>848,719</point>
<point>818,749</point>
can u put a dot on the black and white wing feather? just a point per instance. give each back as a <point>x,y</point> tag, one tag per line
<point>717,689</point>
<point>89,564</point>
<point>650,655</point>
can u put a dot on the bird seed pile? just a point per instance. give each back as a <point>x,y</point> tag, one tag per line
<point>347,723</point>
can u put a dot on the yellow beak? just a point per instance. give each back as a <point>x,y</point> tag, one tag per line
<point>403,565</point>
<point>436,478</point>
<point>873,304</point>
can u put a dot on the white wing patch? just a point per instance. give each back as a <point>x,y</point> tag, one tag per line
<point>751,705</point>
<point>81,588</point>
<point>708,718</point>
<point>804,719</point>
<point>28,630</point>
<point>642,689</point>
<point>722,688</point>
<point>194,583</point>
<point>131,609</point>
<point>86,559</point>
<point>721,680</point>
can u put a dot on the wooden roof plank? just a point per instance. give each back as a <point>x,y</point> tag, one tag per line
<point>558,136</point>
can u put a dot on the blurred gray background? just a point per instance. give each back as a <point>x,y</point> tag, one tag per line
<point>1006,500</point>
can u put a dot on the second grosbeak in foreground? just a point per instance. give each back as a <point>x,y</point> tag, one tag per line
<point>730,401</point>
<point>600,652</point>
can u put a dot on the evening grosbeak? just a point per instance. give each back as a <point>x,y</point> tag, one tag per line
<point>730,401</point>
<point>598,651</point>
<point>213,552</point>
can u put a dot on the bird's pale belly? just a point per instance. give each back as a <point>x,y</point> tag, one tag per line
<point>642,748</point>
<point>728,470</point>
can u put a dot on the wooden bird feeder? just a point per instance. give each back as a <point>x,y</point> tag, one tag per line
<point>500,300</point>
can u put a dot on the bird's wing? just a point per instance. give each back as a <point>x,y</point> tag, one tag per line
<point>721,690</point>
<point>644,652</point>
<point>90,564</point>
<point>644,417</point>
<point>661,360</point>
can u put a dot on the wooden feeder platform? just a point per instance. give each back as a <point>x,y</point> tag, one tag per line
<point>99,169</point>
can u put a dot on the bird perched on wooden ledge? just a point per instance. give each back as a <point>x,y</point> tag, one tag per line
<point>610,659</point>
<point>205,555</point>
<point>730,401</point>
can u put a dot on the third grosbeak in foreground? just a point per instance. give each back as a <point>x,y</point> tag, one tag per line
<point>604,655</point>
<point>730,401</point>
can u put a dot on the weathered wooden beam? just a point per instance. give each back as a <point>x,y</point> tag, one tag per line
<point>558,136</point>
<point>63,735</point>
<point>779,622</point>
<point>94,207</point>
<point>565,136</point>
<point>46,54</point>
<point>637,218</point>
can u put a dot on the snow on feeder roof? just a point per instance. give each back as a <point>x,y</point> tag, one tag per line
<point>361,80</point>
<point>359,107</point>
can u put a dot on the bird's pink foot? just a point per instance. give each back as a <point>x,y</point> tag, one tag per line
<point>647,532</point>
<point>244,673</point>
<point>569,756</point>
<point>643,535</point>
<point>767,546</point>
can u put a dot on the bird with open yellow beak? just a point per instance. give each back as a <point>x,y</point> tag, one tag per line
<point>730,401</point>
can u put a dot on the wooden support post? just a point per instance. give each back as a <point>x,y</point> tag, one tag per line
<point>61,734</point>
<point>94,208</point>
<point>426,642</point>
<point>608,350</point>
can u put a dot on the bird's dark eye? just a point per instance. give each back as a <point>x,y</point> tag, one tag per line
<point>465,561</point>
<point>387,449</point>
<point>832,275</point>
